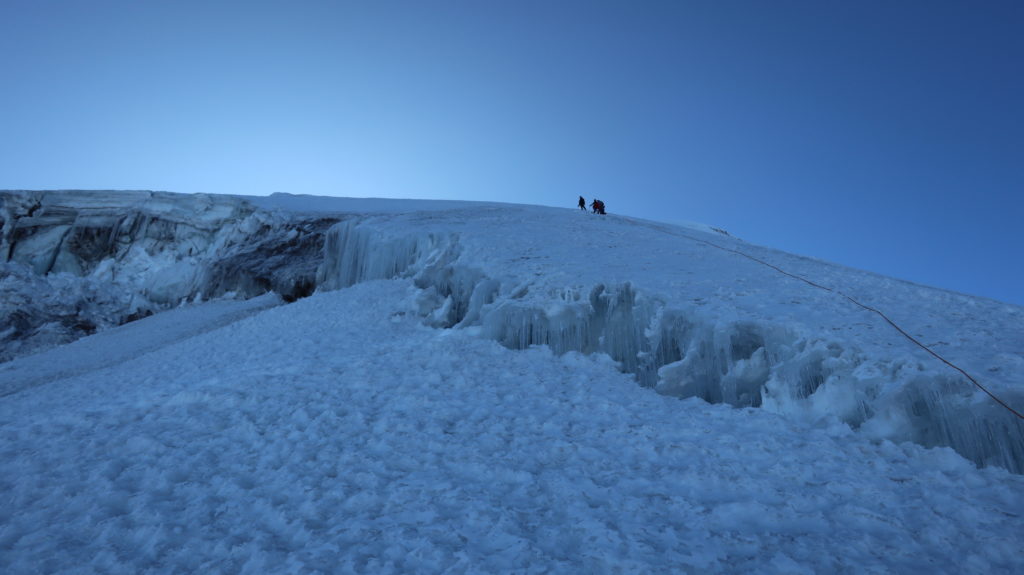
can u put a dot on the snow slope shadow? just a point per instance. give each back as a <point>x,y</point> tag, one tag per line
<point>119,344</point>
<point>681,353</point>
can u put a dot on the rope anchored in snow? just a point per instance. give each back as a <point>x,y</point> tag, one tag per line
<point>862,306</point>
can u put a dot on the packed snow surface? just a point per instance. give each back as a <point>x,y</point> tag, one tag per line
<point>481,387</point>
<point>339,434</point>
<point>697,313</point>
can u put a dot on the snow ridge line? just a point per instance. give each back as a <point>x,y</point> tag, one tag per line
<point>861,305</point>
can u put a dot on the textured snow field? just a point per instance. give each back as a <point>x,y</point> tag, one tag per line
<point>339,435</point>
<point>119,344</point>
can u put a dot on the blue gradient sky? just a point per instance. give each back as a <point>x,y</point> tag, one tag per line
<point>884,135</point>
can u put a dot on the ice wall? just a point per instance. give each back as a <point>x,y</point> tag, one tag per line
<point>40,312</point>
<point>356,253</point>
<point>75,262</point>
<point>686,352</point>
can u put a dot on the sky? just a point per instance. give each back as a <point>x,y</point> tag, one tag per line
<point>886,136</point>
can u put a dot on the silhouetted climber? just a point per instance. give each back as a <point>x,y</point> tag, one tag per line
<point>583,204</point>
<point>598,206</point>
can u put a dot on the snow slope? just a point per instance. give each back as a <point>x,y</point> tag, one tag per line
<point>461,395</point>
<point>689,314</point>
<point>122,343</point>
<point>688,310</point>
<point>339,434</point>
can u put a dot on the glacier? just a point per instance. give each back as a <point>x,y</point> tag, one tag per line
<point>690,322</point>
<point>339,434</point>
<point>304,384</point>
<point>76,262</point>
<point>678,307</point>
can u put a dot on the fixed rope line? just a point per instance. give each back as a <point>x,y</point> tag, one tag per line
<point>936,355</point>
<point>862,306</point>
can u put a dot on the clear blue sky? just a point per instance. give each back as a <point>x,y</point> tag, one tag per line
<point>884,135</point>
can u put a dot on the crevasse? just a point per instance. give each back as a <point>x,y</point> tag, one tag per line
<point>112,258</point>
<point>680,353</point>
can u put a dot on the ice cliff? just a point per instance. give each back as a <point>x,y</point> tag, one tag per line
<point>75,262</point>
<point>679,307</point>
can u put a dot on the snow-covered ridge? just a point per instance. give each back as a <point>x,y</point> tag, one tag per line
<point>685,318</point>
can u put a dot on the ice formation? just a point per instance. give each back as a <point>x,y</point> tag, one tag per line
<point>74,262</point>
<point>685,353</point>
<point>687,319</point>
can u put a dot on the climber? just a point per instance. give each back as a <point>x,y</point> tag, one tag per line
<point>598,206</point>
<point>583,204</point>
